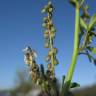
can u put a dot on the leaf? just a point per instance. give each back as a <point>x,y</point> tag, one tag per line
<point>95,62</point>
<point>90,57</point>
<point>63,79</point>
<point>83,24</point>
<point>92,22</point>
<point>94,34</point>
<point>92,49</point>
<point>74,84</point>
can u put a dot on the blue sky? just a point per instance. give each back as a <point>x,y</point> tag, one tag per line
<point>21,25</point>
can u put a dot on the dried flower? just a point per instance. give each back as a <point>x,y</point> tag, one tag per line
<point>29,55</point>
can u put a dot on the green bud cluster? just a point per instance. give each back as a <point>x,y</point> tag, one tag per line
<point>35,73</point>
<point>29,58</point>
<point>39,77</point>
<point>49,36</point>
<point>45,79</point>
<point>48,8</point>
<point>86,29</point>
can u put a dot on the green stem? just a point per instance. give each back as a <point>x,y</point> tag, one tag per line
<point>51,47</point>
<point>52,55</point>
<point>75,55</point>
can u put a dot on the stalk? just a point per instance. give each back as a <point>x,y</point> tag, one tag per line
<point>75,54</point>
<point>51,47</point>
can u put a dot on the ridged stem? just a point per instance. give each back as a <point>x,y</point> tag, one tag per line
<point>75,55</point>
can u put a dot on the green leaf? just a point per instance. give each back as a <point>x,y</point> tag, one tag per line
<point>93,33</point>
<point>83,24</point>
<point>95,61</point>
<point>93,50</point>
<point>92,22</point>
<point>89,57</point>
<point>63,79</point>
<point>74,84</point>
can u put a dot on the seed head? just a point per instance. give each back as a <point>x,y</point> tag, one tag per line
<point>29,55</point>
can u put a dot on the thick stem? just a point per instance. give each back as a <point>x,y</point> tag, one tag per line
<point>75,55</point>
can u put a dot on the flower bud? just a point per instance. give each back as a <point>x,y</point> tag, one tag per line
<point>50,52</point>
<point>50,23</point>
<point>50,10</point>
<point>43,11</point>
<point>46,45</point>
<point>39,82</point>
<point>55,51</point>
<point>46,20</point>
<point>36,68</point>
<point>49,3</point>
<point>48,58</point>
<point>55,62</point>
<point>46,35</point>
<point>28,62</point>
<point>49,66</point>
<point>53,29</point>
<point>44,25</point>
<point>52,35</point>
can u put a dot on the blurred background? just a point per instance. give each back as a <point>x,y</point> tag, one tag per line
<point>20,26</point>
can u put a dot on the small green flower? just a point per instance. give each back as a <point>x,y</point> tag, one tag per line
<point>53,29</point>
<point>52,34</point>
<point>46,35</point>
<point>46,45</point>
<point>55,51</point>
<point>29,55</point>
<point>56,61</point>
<point>44,25</point>
<point>50,52</point>
<point>48,58</point>
<point>49,66</point>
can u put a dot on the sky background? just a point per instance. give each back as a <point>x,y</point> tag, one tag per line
<point>21,25</point>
